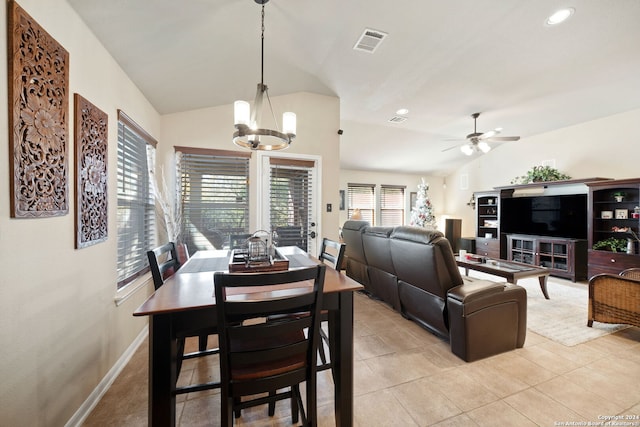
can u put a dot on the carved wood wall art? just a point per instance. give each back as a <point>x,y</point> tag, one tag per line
<point>91,129</point>
<point>38,111</point>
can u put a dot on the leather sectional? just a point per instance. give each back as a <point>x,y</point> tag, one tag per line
<point>414,271</point>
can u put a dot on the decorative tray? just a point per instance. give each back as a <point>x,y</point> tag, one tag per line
<point>239,263</point>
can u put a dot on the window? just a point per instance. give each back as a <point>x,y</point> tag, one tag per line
<point>391,205</point>
<point>136,206</point>
<point>214,195</point>
<point>291,191</point>
<point>362,197</point>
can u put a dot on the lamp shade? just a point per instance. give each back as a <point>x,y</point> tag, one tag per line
<point>289,123</point>
<point>241,112</point>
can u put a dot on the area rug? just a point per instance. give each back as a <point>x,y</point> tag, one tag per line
<point>563,317</point>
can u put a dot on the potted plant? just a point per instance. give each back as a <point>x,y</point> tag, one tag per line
<point>540,174</point>
<point>619,196</point>
<point>611,244</point>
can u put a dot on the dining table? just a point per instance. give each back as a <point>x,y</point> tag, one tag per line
<point>186,302</point>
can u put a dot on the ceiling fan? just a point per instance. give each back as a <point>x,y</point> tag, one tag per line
<point>478,141</point>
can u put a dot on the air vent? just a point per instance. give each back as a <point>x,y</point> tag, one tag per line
<point>397,119</point>
<point>369,40</point>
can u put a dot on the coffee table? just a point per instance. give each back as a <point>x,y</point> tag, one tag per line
<point>510,270</point>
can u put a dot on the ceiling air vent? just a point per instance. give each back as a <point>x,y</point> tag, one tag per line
<point>397,119</point>
<point>369,40</point>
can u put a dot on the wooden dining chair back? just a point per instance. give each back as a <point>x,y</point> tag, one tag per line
<point>259,356</point>
<point>163,263</point>
<point>332,252</point>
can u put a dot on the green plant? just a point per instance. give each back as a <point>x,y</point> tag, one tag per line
<point>619,194</point>
<point>540,174</point>
<point>611,244</point>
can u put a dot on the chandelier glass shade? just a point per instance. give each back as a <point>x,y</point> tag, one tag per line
<point>248,132</point>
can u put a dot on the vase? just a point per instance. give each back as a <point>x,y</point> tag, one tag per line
<point>631,246</point>
<point>619,198</point>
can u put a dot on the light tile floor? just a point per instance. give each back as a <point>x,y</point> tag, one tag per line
<point>405,376</point>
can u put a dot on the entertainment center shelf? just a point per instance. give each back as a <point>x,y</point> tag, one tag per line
<point>555,224</point>
<point>564,257</point>
<point>614,217</point>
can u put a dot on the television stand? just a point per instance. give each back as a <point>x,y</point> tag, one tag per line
<point>562,256</point>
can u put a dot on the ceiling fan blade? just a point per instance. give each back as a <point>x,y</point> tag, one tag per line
<point>450,148</point>
<point>504,138</point>
<point>487,135</point>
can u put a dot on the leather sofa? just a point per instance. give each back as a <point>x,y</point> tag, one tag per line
<point>414,271</point>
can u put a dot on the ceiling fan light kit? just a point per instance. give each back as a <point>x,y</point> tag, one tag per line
<point>479,141</point>
<point>248,134</point>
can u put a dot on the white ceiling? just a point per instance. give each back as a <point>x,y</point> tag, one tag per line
<point>443,60</point>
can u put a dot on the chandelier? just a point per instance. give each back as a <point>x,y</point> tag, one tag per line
<point>248,133</point>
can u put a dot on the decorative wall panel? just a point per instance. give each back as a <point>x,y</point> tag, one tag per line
<point>91,126</point>
<point>38,114</point>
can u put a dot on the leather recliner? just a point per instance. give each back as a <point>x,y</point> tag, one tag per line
<point>414,270</point>
<point>354,252</point>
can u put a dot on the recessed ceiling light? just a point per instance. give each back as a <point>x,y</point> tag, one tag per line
<point>402,111</point>
<point>560,16</point>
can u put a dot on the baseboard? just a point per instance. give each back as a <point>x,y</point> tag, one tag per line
<point>85,409</point>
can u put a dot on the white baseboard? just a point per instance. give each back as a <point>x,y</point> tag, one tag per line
<point>85,409</point>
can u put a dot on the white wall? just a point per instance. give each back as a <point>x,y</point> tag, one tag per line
<point>60,329</point>
<point>606,147</point>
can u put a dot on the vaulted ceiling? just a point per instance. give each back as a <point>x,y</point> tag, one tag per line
<point>442,60</point>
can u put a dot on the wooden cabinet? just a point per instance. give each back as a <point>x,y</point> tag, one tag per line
<point>564,257</point>
<point>488,224</point>
<point>488,247</point>
<point>614,217</point>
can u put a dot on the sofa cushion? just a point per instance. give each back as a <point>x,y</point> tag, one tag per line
<point>356,262</point>
<point>383,282</point>
<point>423,258</point>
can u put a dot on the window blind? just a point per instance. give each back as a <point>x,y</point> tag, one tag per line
<point>291,201</point>
<point>362,197</point>
<point>136,216</point>
<point>214,195</point>
<point>391,205</point>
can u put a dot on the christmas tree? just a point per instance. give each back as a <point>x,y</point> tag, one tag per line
<point>422,213</point>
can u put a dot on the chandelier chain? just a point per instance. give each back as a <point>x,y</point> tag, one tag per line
<point>262,49</point>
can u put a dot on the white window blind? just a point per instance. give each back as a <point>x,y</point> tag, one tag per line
<point>291,201</point>
<point>136,215</point>
<point>214,195</point>
<point>391,205</point>
<point>362,197</point>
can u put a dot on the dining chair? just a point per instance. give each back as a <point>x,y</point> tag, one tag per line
<point>163,263</point>
<point>632,273</point>
<point>259,356</point>
<point>332,253</point>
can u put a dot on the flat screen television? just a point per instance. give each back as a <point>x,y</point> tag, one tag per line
<point>556,216</point>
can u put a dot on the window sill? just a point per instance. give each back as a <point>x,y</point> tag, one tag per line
<point>123,294</point>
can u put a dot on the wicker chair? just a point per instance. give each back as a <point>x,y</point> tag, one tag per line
<point>615,299</point>
<point>632,273</point>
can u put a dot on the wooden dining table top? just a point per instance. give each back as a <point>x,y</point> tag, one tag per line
<point>193,288</point>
